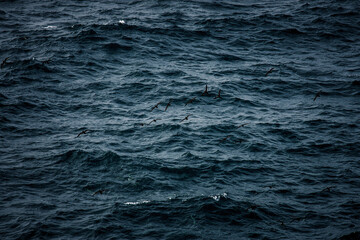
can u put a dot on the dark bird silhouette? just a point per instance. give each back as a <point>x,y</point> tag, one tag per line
<point>100,191</point>
<point>252,207</point>
<point>224,139</point>
<point>154,120</point>
<point>190,101</point>
<point>186,118</point>
<point>46,61</point>
<point>218,96</point>
<point>156,106</point>
<point>242,125</point>
<point>205,92</point>
<point>317,95</point>
<point>238,140</point>
<point>296,219</point>
<point>300,218</point>
<point>4,62</point>
<point>168,105</point>
<point>83,132</point>
<point>327,189</point>
<point>268,72</point>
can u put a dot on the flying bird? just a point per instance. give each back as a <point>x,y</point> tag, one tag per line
<point>205,92</point>
<point>297,219</point>
<point>168,105</point>
<point>83,132</point>
<point>268,72</point>
<point>186,118</point>
<point>46,61</point>
<point>4,62</point>
<point>327,189</point>
<point>190,101</point>
<point>300,218</point>
<point>224,139</point>
<point>252,207</point>
<point>100,191</point>
<point>317,95</point>
<point>154,120</point>
<point>156,106</point>
<point>218,96</point>
<point>242,125</point>
<point>238,140</point>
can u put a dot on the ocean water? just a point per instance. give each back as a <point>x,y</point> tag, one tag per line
<point>264,161</point>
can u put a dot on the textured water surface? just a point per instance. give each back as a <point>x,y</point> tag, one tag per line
<point>264,161</point>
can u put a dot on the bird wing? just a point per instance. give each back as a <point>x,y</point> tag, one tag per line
<point>316,96</point>
<point>267,73</point>
<point>167,106</point>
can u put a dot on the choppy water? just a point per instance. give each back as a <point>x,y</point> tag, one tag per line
<point>291,173</point>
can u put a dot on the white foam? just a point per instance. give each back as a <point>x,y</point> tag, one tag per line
<point>217,197</point>
<point>136,203</point>
<point>50,27</point>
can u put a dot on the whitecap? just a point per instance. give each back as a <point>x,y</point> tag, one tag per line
<point>136,203</point>
<point>121,21</point>
<point>50,27</point>
<point>217,197</point>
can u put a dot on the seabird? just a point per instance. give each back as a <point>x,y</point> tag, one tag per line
<point>296,219</point>
<point>46,61</point>
<point>205,92</point>
<point>224,139</point>
<point>252,207</point>
<point>268,72</point>
<point>186,118</point>
<point>156,106</point>
<point>317,95</point>
<point>190,101</point>
<point>101,191</point>
<point>242,125</point>
<point>83,132</point>
<point>238,140</point>
<point>4,62</point>
<point>168,105</point>
<point>154,120</point>
<point>218,96</point>
<point>300,218</point>
<point>327,189</point>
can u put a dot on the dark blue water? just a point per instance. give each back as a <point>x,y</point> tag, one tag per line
<point>292,172</point>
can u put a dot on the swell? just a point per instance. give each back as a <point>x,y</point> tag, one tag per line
<point>292,169</point>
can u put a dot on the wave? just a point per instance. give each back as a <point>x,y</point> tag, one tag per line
<point>111,47</point>
<point>89,35</point>
<point>288,32</point>
<point>169,179</point>
<point>350,236</point>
